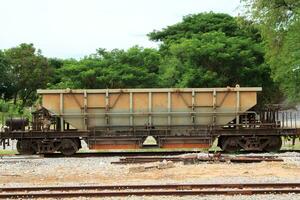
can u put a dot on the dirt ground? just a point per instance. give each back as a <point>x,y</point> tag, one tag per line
<point>70,171</point>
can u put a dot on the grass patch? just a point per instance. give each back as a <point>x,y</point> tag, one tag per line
<point>8,152</point>
<point>288,145</point>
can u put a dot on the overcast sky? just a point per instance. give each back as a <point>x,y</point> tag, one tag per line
<point>75,28</point>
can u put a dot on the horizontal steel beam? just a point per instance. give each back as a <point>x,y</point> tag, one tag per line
<point>146,90</point>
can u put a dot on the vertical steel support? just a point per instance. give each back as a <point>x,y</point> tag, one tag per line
<point>214,118</point>
<point>169,108</point>
<point>291,118</point>
<point>85,111</point>
<point>295,120</point>
<point>193,106</point>
<point>61,109</point>
<point>150,108</point>
<point>131,108</point>
<point>237,104</point>
<point>282,118</point>
<point>107,107</point>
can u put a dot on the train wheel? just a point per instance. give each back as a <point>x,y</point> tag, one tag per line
<point>230,144</point>
<point>25,147</point>
<point>68,147</point>
<point>274,145</point>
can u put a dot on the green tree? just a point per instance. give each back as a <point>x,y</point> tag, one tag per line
<point>279,22</point>
<point>136,67</point>
<point>210,50</point>
<point>5,83</point>
<point>28,70</point>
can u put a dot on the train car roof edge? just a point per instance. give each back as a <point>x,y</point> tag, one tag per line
<point>234,89</point>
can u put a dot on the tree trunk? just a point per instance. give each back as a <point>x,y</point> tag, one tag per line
<point>15,98</point>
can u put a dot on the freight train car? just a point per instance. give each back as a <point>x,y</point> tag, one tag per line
<point>125,118</point>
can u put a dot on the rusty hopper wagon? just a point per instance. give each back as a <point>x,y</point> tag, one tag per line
<point>125,118</point>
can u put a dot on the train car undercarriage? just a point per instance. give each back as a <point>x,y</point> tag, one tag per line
<point>45,135</point>
<point>68,143</point>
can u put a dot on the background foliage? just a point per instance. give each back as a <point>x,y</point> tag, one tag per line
<point>203,50</point>
<point>279,23</point>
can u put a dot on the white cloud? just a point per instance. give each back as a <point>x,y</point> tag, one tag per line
<point>74,28</point>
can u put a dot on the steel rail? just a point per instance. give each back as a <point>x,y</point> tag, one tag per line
<point>153,186</point>
<point>150,190</point>
<point>137,153</point>
<point>149,193</point>
<point>195,159</point>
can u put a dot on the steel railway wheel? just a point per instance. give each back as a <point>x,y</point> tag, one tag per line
<point>68,147</point>
<point>25,147</point>
<point>274,144</point>
<point>230,144</point>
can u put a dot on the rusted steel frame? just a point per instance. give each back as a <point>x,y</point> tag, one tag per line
<point>192,106</point>
<point>214,103</point>
<point>85,111</point>
<point>169,108</point>
<point>61,111</point>
<point>107,107</point>
<point>117,139</point>
<point>163,113</point>
<point>145,129</point>
<point>150,108</point>
<point>131,118</point>
<point>237,106</point>
<point>42,135</point>
<point>162,134</point>
<point>195,105</point>
<point>247,132</point>
<point>121,129</point>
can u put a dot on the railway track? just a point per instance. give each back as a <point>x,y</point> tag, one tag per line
<point>197,159</point>
<point>150,153</point>
<point>148,190</point>
<point>123,154</point>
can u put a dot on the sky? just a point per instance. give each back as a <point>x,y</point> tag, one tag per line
<point>76,28</point>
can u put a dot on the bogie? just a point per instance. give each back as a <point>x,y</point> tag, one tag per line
<point>26,147</point>
<point>233,144</point>
<point>67,147</point>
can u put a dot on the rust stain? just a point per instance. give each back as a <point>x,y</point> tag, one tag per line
<point>114,146</point>
<point>188,145</point>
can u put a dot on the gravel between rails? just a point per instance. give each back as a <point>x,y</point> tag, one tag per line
<point>100,171</point>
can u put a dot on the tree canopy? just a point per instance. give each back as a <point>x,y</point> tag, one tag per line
<point>210,50</point>
<point>136,67</point>
<point>24,70</point>
<point>279,22</point>
<point>203,50</point>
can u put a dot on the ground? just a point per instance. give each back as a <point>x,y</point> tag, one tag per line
<point>97,170</point>
<point>35,170</point>
<point>68,171</point>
